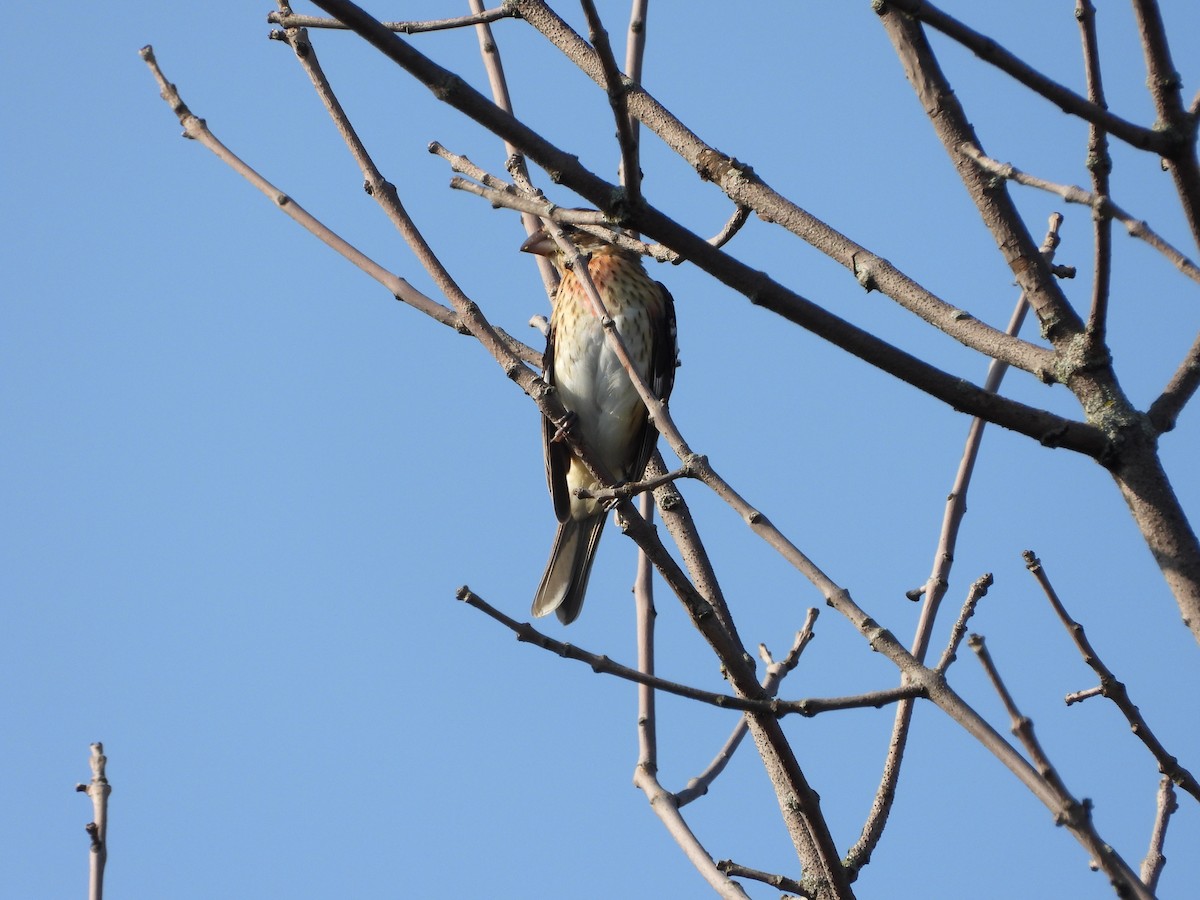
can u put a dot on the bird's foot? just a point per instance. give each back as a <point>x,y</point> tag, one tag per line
<point>568,422</point>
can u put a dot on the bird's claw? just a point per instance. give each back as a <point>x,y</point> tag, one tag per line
<point>560,433</point>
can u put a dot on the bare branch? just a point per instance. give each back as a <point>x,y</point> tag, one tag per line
<point>614,86</point>
<point>935,589</point>
<point>1099,164</point>
<point>1120,874</point>
<point>741,214</point>
<point>744,187</point>
<point>1152,865</point>
<point>98,789</point>
<point>197,129</point>
<point>601,664</point>
<point>1110,686</point>
<point>516,160</point>
<point>1102,205</point>
<point>1080,696</point>
<point>645,616</point>
<point>1059,321</point>
<point>664,807</point>
<point>1068,101</point>
<point>977,592</point>
<point>697,787</point>
<point>782,882</point>
<point>1176,126</point>
<point>1165,410</point>
<point>287,19</point>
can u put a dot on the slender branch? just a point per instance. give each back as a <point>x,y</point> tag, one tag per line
<point>1066,100</point>
<point>949,120</point>
<point>935,589</point>
<point>1174,122</point>
<point>516,160</point>
<point>741,215</point>
<point>601,664</point>
<point>978,591</point>
<point>664,807</point>
<point>197,129</point>
<point>614,87</point>
<point>287,19</point>
<point>698,786</point>
<point>591,221</point>
<point>1110,686</point>
<point>781,882</point>
<point>629,490</point>
<point>1099,164</point>
<point>1123,878</point>
<point>1102,206</point>
<point>98,789</point>
<point>635,51</point>
<point>1164,411</point>
<point>645,615</point>
<point>1021,725</point>
<point>1080,696</point>
<point>1152,865</point>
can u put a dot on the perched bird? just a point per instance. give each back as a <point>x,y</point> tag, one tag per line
<point>593,385</point>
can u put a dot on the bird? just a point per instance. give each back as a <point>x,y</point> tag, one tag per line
<point>597,391</point>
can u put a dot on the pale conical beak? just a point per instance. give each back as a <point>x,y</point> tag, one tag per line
<point>540,244</point>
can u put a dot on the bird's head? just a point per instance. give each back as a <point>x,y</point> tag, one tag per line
<point>540,243</point>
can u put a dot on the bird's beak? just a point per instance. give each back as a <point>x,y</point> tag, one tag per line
<point>539,243</point>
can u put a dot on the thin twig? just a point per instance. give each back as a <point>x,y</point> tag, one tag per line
<point>290,20</point>
<point>1110,686</point>
<point>1122,876</point>
<point>98,789</point>
<point>978,591</point>
<point>601,664</point>
<point>591,221</point>
<point>1164,411</point>
<point>645,615</point>
<point>1021,725</point>
<point>776,671</point>
<point>1087,694</point>
<point>629,490</point>
<point>664,807</point>
<point>1100,204</point>
<point>1099,164</point>
<point>936,585</point>
<point>741,214</point>
<point>645,775</point>
<point>1154,861</point>
<point>614,87</point>
<point>1067,100</point>
<point>1176,127</point>
<point>782,882</point>
<point>197,129</point>
<point>516,165</point>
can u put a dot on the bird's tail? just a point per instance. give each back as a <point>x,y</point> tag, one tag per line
<point>565,581</point>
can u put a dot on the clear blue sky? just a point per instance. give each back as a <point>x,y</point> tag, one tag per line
<point>242,483</point>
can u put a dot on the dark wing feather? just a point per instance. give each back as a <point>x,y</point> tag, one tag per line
<point>556,453</point>
<point>664,357</point>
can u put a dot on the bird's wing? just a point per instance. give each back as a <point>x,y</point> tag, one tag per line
<point>556,453</point>
<point>664,357</point>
